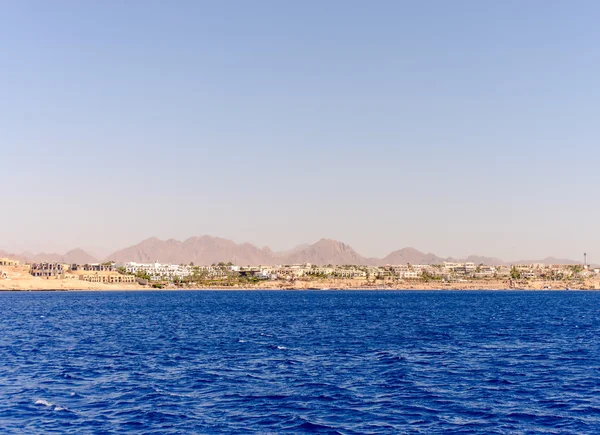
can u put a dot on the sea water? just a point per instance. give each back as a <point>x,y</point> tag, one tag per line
<point>361,362</point>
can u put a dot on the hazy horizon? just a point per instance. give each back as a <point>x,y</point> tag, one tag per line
<point>456,128</point>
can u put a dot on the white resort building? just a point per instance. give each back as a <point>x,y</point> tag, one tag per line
<point>157,271</point>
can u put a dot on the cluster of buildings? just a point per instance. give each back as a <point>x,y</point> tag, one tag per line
<point>157,271</point>
<point>170,272</point>
<point>131,272</point>
<point>103,273</point>
<point>113,278</point>
<point>452,271</point>
<point>104,267</point>
<point>446,271</point>
<point>49,270</point>
<point>7,262</point>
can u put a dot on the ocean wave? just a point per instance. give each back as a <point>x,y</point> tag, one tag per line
<point>44,402</point>
<point>48,404</point>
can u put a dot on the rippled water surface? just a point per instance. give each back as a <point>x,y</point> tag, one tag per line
<point>300,362</point>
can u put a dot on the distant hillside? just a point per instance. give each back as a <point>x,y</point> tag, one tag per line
<point>325,251</point>
<point>207,250</point>
<point>478,259</point>
<point>293,250</point>
<point>204,250</point>
<point>74,256</point>
<point>77,256</point>
<point>410,256</point>
<point>21,258</point>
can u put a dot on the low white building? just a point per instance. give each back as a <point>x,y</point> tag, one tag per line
<point>412,274</point>
<point>158,271</point>
<point>351,273</point>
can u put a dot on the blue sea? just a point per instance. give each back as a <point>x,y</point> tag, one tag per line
<point>330,362</point>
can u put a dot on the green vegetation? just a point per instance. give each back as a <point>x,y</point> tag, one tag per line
<point>515,273</point>
<point>143,275</point>
<point>318,275</point>
<point>427,276</point>
<point>222,275</point>
<point>576,269</point>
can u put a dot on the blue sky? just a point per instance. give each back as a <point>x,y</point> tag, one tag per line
<point>454,127</point>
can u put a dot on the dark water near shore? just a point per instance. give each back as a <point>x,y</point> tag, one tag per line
<point>300,362</point>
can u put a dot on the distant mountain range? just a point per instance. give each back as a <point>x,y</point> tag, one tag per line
<point>206,250</point>
<point>74,256</point>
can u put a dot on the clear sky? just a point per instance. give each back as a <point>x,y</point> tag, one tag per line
<point>456,127</point>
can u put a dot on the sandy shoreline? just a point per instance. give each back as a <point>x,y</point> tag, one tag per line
<point>282,290</point>
<point>21,280</point>
<point>473,286</point>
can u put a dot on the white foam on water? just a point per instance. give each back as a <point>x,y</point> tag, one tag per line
<point>281,347</point>
<point>176,394</point>
<point>170,394</point>
<point>50,405</point>
<point>241,341</point>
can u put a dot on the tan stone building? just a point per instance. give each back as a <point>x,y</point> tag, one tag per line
<point>105,267</point>
<point>108,278</point>
<point>49,270</point>
<point>8,262</point>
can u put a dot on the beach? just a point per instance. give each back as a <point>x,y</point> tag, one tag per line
<point>20,280</point>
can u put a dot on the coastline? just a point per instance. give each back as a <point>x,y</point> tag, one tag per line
<point>36,284</point>
<point>20,280</point>
<point>240,289</point>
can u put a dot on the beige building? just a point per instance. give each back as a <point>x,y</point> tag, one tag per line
<point>8,262</point>
<point>105,267</point>
<point>108,278</point>
<point>49,270</point>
